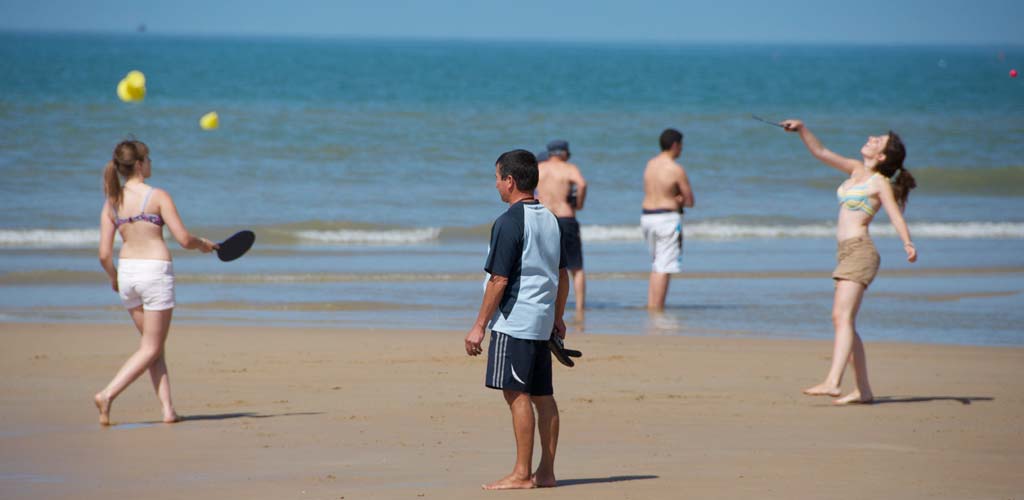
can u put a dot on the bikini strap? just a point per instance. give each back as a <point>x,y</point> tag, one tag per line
<point>145,201</point>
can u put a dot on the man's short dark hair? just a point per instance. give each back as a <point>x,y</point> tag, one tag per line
<point>669,137</point>
<point>521,165</point>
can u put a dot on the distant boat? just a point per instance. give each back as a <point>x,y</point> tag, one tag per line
<point>141,28</point>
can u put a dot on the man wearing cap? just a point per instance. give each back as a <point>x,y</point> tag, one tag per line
<point>524,299</point>
<point>563,190</point>
<point>666,191</point>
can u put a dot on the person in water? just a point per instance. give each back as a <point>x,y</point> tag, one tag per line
<point>877,180</point>
<point>144,276</point>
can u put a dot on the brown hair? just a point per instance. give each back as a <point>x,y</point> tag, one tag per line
<point>126,155</point>
<point>895,152</point>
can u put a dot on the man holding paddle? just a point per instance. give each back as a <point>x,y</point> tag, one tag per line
<point>524,299</point>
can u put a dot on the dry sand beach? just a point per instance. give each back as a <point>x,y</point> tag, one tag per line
<point>327,414</point>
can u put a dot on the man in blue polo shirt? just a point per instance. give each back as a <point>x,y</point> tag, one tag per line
<point>524,299</point>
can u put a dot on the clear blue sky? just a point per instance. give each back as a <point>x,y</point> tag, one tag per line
<point>822,21</point>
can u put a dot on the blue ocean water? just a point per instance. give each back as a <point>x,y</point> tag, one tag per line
<point>355,156</point>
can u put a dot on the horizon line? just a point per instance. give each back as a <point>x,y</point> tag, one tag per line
<point>501,39</point>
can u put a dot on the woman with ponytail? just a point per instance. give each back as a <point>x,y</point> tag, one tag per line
<point>144,276</point>
<point>876,180</point>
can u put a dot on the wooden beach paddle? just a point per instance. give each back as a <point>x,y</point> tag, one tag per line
<point>236,245</point>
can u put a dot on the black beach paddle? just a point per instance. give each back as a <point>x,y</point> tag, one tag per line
<point>236,245</point>
<point>777,124</point>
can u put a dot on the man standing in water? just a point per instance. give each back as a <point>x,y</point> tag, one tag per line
<point>562,188</point>
<point>666,192</point>
<point>524,299</point>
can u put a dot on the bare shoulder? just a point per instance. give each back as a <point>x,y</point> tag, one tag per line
<point>161,197</point>
<point>880,183</point>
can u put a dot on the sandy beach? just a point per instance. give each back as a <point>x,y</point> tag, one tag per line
<point>328,413</point>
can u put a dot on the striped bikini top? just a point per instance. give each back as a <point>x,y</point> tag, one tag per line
<point>152,218</point>
<point>856,197</point>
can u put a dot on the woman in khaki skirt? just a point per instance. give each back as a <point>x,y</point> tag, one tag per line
<point>876,180</point>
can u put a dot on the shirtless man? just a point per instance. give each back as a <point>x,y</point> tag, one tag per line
<point>563,190</point>
<point>666,192</point>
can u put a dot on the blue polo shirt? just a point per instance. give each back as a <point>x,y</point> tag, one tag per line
<point>526,247</point>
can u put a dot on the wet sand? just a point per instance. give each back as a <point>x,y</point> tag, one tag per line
<point>329,413</point>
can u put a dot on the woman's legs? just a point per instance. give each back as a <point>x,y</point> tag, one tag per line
<point>155,325</point>
<point>847,302</point>
<point>157,373</point>
<point>863,392</point>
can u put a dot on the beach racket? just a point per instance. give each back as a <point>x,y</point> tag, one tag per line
<point>236,245</point>
<point>777,124</point>
<point>563,355</point>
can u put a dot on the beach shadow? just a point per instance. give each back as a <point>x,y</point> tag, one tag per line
<point>599,480</point>
<point>216,416</point>
<point>964,400</point>
<point>247,414</point>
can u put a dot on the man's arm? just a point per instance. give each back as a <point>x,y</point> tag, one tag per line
<point>492,297</point>
<point>563,297</point>
<point>685,190</point>
<point>581,187</point>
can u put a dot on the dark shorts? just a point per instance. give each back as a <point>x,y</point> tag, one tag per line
<point>573,246</point>
<point>519,365</point>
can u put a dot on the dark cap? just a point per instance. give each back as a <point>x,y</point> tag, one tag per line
<point>558,145</point>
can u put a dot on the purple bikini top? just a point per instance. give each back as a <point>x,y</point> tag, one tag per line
<point>152,218</point>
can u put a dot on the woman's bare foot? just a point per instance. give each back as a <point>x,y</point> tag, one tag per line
<point>855,397</point>
<point>823,389</point>
<point>103,405</point>
<point>171,417</point>
<point>511,482</point>
<point>545,480</point>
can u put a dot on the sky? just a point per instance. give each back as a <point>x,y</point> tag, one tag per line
<point>953,22</point>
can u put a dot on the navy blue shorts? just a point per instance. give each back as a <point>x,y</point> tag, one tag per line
<point>519,365</point>
<point>573,244</point>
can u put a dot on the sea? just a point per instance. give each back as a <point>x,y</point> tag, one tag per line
<point>366,169</point>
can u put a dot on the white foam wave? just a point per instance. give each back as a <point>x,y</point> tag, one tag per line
<point>731,231</point>
<point>49,238</point>
<point>87,238</point>
<point>372,237</point>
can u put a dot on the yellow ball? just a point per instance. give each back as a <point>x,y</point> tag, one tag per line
<point>129,94</point>
<point>209,121</point>
<point>136,79</point>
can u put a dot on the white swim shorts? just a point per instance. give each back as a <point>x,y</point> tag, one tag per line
<point>147,283</point>
<point>663,233</point>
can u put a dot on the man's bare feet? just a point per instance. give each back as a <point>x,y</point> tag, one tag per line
<point>545,480</point>
<point>171,417</point>
<point>511,482</point>
<point>103,405</point>
<point>823,389</point>
<point>854,398</point>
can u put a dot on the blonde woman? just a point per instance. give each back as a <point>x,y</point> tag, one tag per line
<point>144,276</point>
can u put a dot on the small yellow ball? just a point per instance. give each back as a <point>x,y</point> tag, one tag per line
<point>209,121</point>
<point>129,94</point>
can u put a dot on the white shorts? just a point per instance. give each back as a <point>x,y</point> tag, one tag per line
<point>663,233</point>
<point>147,283</point>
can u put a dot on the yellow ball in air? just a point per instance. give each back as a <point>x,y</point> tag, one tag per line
<point>209,121</point>
<point>136,79</point>
<point>127,93</point>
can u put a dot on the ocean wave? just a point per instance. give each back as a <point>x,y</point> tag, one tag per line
<point>372,237</point>
<point>48,238</point>
<point>736,231</point>
<point>594,233</point>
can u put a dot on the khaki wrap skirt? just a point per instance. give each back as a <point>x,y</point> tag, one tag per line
<point>858,261</point>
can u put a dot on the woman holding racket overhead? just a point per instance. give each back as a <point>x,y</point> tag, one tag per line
<point>876,180</point>
<point>144,277</point>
